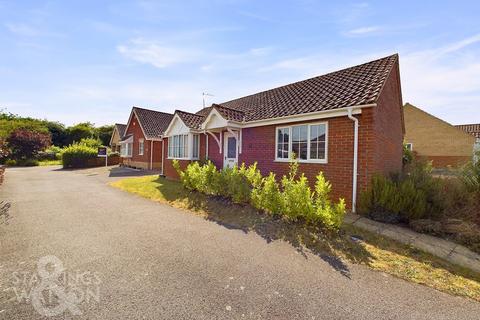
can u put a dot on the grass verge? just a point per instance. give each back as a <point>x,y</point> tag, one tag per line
<point>49,162</point>
<point>374,251</point>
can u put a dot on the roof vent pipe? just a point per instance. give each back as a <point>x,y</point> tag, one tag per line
<point>355,159</point>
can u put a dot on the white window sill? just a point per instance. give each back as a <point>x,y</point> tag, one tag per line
<point>168,158</point>
<point>303,161</point>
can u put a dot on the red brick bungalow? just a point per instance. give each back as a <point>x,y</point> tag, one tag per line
<point>141,144</point>
<point>348,124</point>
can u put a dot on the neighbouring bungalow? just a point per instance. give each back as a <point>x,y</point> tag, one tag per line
<point>474,130</point>
<point>348,124</point>
<point>141,144</point>
<point>436,140</point>
<point>117,135</point>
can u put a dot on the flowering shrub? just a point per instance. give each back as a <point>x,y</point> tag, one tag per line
<point>292,198</point>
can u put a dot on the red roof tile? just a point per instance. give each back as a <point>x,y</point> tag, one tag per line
<point>154,123</point>
<point>473,129</point>
<point>358,85</point>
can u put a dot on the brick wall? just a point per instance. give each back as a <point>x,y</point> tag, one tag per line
<point>389,126</point>
<point>448,161</point>
<point>259,146</point>
<point>142,161</point>
<point>434,138</point>
<point>169,171</point>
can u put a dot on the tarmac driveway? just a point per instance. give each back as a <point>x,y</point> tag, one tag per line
<point>129,258</point>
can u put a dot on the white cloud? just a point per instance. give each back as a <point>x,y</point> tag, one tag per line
<point>363,31</point>
<point>26,30</point>
<point>263,51</point>
<point>154,53</point>
<point>22,29</point>
<point>444,80</point>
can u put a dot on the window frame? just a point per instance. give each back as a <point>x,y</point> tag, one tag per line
<point>409,144</point>
<point>174,152</point>
<point>195,135</point>
<point>290,143</point>
<point>141,151</point>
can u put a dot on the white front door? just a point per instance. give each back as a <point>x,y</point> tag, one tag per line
<point>230,150</point>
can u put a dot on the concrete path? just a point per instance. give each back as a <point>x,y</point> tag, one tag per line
<point>131,258</point>
<point>444,249</point>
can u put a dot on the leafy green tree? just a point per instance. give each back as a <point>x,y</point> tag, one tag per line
<point>58,132</point>
<point>80,131</point>
<point>104,133</point>
<point>9,122</point>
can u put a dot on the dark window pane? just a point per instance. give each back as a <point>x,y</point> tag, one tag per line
<point>313,151</point>
<point>232,147</point>
<point>303,151</point>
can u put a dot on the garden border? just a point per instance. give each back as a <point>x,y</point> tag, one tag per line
<point>448,250</point>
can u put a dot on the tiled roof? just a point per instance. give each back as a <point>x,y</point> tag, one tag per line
<point>230,114</point>
<point>126,137</point>
<point>121,129</point>
<point>191,120</point>
<point>358,85</point>
<point>473,129</point>
<point>154,123</point>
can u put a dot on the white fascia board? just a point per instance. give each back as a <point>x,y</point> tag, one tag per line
<point>184,129</point>
<point>307,116</point>
<point>213,112</point>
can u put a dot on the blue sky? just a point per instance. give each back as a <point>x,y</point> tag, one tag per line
<point>92,60</point>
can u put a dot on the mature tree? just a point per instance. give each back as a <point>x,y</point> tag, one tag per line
<point>80,131</point>
<point>104,133</point>
<point>58,132</point>
<point>10,122</point>
<point>25,144</point>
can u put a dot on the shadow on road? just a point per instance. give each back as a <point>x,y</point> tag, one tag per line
<point>318,241</point>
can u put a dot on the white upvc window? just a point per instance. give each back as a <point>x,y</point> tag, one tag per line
<point>195,146</point>
<point>141,147</point>
<point>309,142</point>
<point>409,146</point>
<point>184,146</point>
<point>178,146</point>
<point>126,150</point>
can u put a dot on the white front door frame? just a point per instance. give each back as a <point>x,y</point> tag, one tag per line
<point>229,162</point>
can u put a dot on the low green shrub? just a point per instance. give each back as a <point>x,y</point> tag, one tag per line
<point>10,162</point>
<point>297,196</point>
<point>22,163</point>
<point>470,176</point>
<point>330,215</point>
<point>267,196</point>
<point>78,156</point>
<point>236,185</point>
<point>27,163</point>
<point>293,198</point>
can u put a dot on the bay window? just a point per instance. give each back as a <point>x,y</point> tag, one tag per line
<point>307,141</point>
<point>196,146</point>
<point>126,149</point>
<point>184,146</point>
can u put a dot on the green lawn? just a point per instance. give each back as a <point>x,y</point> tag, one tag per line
<point>50,162</point>
<point>374,251</point>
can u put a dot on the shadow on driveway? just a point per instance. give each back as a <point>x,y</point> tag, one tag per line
<point>317,240</point>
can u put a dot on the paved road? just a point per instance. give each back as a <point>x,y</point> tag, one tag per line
<point>150,261</point>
